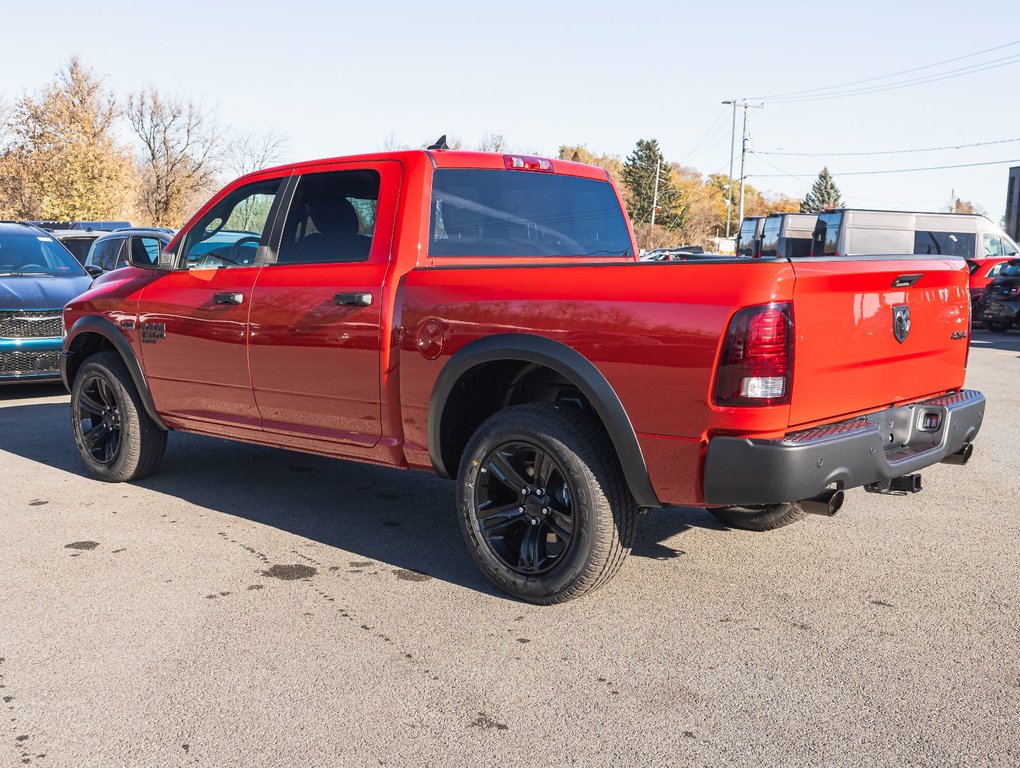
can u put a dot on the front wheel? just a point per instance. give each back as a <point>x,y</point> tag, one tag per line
<point>763,518</point>
<point>543,504</point>
<point>116,438</point>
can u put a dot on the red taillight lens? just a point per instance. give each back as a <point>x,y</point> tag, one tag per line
<point>757,357</point>
<point>525,163</point>
<point>1014,291</point>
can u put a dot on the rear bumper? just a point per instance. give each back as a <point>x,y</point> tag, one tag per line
<point>847,454</point>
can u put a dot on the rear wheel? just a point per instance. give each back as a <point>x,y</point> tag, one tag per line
<point>116,439</point>
<point>543,504</point>
<point>763,518</point>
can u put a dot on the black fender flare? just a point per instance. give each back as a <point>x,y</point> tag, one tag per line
<point>110,332</point>
<point>570,364</point>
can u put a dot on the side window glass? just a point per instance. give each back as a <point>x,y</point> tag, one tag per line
<point>143,250</point>
<point>106,253</point>
<point>995,270</point>
<point>331,218</point>
<point>1008,249</point>
<point>993,245</point>
<point>229,233</point>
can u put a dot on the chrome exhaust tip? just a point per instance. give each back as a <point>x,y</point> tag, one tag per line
<point>827,503</point>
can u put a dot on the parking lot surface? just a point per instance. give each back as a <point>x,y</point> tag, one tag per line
<point>251,607</point>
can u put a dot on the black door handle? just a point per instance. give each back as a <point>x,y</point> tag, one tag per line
<point>229,298</point>
<point>352,299</point>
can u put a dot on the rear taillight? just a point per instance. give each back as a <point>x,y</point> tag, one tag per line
<point>526,163</point>
<point>1014,291</point>
<point>757,357</point>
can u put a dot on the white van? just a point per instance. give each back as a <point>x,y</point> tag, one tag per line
<point>854,232</point>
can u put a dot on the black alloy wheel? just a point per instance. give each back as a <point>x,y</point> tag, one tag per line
<point>115,436</point>
<point>524,506</point>
<point>97,419</point>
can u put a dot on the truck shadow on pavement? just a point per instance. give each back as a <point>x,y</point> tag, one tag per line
<point>405,519</point>
<point>1008,341</point>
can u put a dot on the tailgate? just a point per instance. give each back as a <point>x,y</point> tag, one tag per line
<point>849,355</point>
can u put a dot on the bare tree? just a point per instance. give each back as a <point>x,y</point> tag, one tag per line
<point>251,150</point>
<point>493,142</point>
<point>180,153</point>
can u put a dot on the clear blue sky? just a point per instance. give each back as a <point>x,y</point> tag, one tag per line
<point>340,77</point>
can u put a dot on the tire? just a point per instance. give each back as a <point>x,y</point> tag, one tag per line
<point>579,520</point>
<point>765,518</point>
<point>999,326</point>
<point>116,438</point>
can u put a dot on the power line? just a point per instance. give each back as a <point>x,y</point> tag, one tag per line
<point>711,128</point>
<point>893,170</point>
<point>995,64</point>
<point>888,76</point>
<point>883,152</point>
<point>809,181</point>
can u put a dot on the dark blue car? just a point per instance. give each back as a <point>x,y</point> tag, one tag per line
<point>38,276</point>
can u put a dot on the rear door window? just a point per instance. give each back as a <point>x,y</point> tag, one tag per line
<point>524,213</point>
<point>331,218</point>
<point>944,243</point>
<point>770,237</point>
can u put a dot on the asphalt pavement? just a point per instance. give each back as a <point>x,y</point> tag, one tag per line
<point>251,607</point>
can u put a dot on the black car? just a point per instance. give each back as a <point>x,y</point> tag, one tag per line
<point>110,251</point>
<point>1000,305</point>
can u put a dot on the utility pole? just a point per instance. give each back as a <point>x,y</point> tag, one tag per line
<point>743,153</point>
<point>655,199</point>
<point>733,136</point>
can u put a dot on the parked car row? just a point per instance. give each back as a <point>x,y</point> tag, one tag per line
<point>41,270</point>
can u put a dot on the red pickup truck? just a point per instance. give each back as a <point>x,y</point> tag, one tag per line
<point>485,317</point>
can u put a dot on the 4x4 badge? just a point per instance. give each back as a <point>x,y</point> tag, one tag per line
<point>901,322</point>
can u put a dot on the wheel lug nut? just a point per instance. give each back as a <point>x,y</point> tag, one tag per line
<point>524,491</point>
<point>540,492</point>
<point>534,521</point>
<point>521,510</point>
<point>545,510</point>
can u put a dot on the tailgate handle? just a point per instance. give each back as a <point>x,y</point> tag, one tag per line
<point>903,281</point>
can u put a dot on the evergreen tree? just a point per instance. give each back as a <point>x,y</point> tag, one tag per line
<point>824,194</point>
<point>639,176</point>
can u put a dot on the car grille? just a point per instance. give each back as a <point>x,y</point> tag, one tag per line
<point>23,363</point>
<point>34,324</point>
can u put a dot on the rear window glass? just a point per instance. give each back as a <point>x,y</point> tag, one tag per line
<point>523,213</point>
<point>826,235</point>
<point>944,243</point>
<point>78,246</point>
<point>770,236</point>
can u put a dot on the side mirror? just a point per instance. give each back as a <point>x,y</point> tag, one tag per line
<point>164,261</point>
<point>93,270</point>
